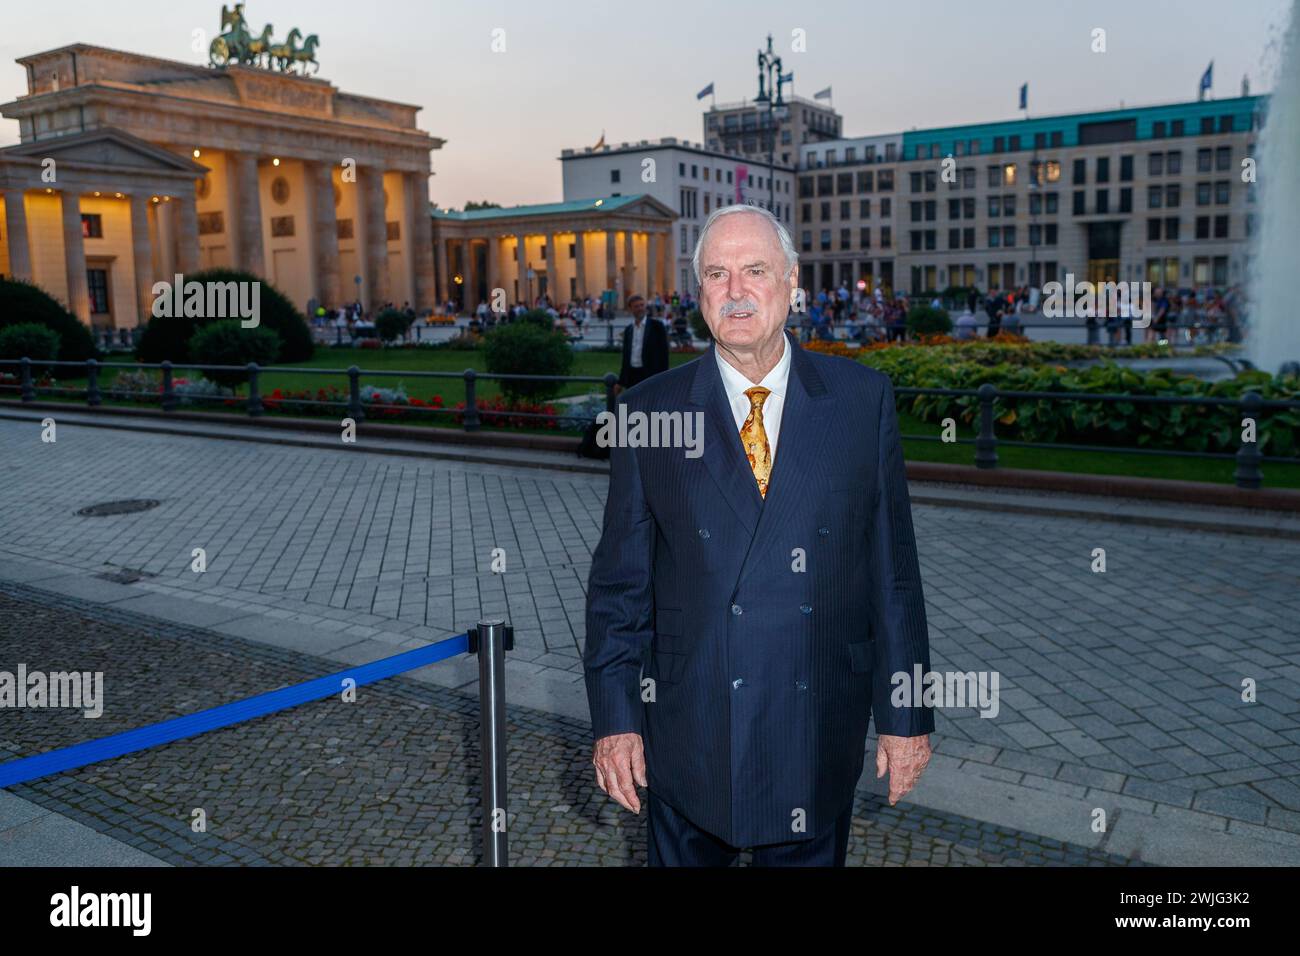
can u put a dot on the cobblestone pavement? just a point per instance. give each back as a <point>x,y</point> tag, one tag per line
<point>1126,684</point>
<point>390,779</point>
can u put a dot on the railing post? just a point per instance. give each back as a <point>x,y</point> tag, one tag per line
<point>1249,457</point>
<point>610,381</point>
<point>986,443</point>
<point>254,396</point>
<point>25,368</point>
<point>355,411</point>
<point>338,338</point>
<point>490,641</point>
<point>609,329</point>
<point>168,393</point>
<point>92,383</point>
<point>471,419</point>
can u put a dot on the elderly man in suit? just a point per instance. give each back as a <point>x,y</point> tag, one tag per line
<point>748,605</point>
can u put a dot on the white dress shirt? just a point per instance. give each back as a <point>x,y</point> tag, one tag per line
<point>638,341</point>
<point>734,383</point>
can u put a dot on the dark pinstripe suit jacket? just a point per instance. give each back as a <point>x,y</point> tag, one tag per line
<point>763,675</point>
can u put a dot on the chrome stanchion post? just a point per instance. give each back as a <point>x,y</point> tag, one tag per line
<point>490,640</point>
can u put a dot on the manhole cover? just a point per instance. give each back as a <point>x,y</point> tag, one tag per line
<point>125,576</point>
<point>125,507</point>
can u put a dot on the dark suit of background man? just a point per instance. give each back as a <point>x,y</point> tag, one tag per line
<point>768,587</point>
<point>645,346</point>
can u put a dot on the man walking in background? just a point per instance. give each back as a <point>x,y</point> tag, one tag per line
<point>645,346</point>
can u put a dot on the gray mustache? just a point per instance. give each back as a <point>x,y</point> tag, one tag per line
<point>744,305</point>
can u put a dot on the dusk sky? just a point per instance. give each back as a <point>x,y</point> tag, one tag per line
<point>572,69</point>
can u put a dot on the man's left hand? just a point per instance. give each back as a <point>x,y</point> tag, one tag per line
<point>905,759</point>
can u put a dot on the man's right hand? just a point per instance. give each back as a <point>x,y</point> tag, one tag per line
<point>620,766</point>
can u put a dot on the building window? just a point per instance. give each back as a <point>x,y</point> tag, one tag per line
<point>1223,158</point>
<point>1153,230</point>
<point>915,208</point>
<point>1103,201</point>
<point>864,208</point>
<point>954,238</point>
<point>1080,202</point>
<point>92,226</point>
<point>1204,160</point>
<point>1080,172</point>
<point>1053,203</point>
<point>844,209</point>
<point>97,282</point>
<point>1222,192</point>
<point>864,237</point>
<point>1126,199</point>
<point>1158,130</point>
<point>1126,169</point>
<point>995,237</point>
<point>1171,228</point>
<point>1155,164</point>
<point>1173,196</point>
<point>1176,128</point>
<point>825,209</point>
<point>886,207</point>
<point>1155,197</point>
<point>1174,162</point>
<point>915,180</point>
<point>1035,234</point>
<point>1050,234</point>
<point>826,240</point>
<point>1220,227</point>
<point>845,241</point>
<point>615,175</point>
<point>1009,174</point>
<point>1008,236</point>
<point>1103,169</point>
<point>968,237</point>
<point>1202,227</point>
<point>806,241</point>
<point>886,237</point>
<point>345,228</point>
<point>865,181</point>
<point>954,208</point>
<point>1202,194</point>
<point>1009,205</point>
<point>211,223</point>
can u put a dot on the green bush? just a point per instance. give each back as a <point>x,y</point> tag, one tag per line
<point>699,326</point>
<point>1118,424</point>
<point>168,338</point>
<point>226,342</point>
<point>926,320</point>
<point>29,340</point>
<point>392,324</point>
<point>538,317</point>
<point>524,348</point>
<point>22,303</point>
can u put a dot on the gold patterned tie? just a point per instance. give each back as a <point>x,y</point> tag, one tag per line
<point>753,436</point>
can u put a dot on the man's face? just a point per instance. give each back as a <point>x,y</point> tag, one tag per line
<point>638,309</point>
<point>745,287</point>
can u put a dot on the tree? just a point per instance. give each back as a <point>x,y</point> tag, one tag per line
<point>22,303</point>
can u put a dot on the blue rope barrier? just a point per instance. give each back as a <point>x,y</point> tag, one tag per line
<point>214,718</point>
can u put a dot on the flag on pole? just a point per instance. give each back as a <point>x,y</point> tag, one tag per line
<point>707,91</point>
<point>1207,80</point>
<point>787,77</point>
<point>601,144</point>
<point>1024,96</point>
<point>823,94</point>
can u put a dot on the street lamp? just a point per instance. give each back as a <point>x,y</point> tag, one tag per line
<point>772,94</point>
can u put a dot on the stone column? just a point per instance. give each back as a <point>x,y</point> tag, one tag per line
<point>421,241</point>
<point>521,254</point>
<point>376,236</point>
<point>440,251</point>
<point>74,252</point>
<point>629,266</point>
<point>250,254</point>
<point>20,255</point>
<point>493,268</point>
<point>185,219</point>
<point>580,261</point>
<point>611,263</point>
<point>142,257</point>
<point>324,232</point>
<point>666,270</point>
<point>553,269</point>
<point>471,278</point>
<point>652,284</point>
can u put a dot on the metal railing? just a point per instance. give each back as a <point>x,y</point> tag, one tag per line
<point>1249,459</point>
<point>255,404</point>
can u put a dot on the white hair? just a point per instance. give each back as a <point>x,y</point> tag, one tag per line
<point>782,234</point>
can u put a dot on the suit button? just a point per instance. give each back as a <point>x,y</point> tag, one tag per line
<point>704,532</point>
<point>805,608</point>
<point>735,609</point>
<point>738,683</point>
<point>801,685</point>
<point>823,531</point>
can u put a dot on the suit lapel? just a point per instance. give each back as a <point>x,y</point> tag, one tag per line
<point>723,454</point>
<point>804,426</point>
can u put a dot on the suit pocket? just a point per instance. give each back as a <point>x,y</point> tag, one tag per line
<point>860,654</point>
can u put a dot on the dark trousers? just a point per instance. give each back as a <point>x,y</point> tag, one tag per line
<point>672,840</point>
